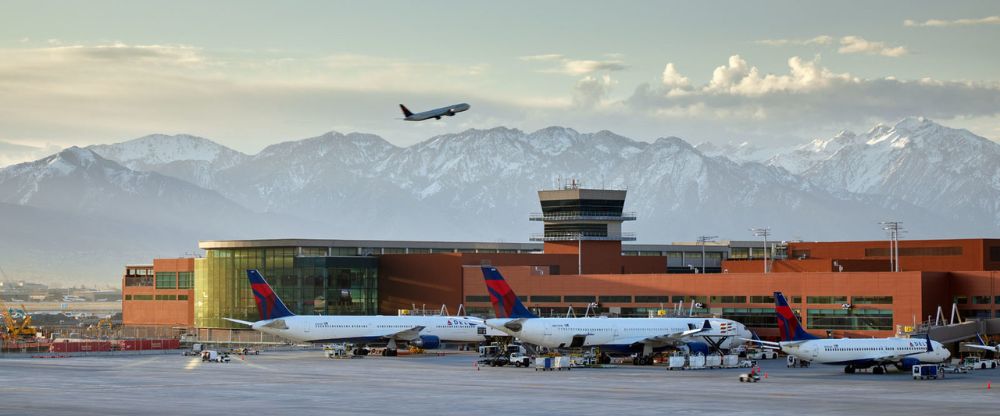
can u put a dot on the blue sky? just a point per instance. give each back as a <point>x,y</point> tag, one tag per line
<point>249,74</point>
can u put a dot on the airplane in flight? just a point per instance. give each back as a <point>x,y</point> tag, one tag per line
<point>436,113</point>
<point>643,336</point>
<point>852,353</point>
<point>423,331</point>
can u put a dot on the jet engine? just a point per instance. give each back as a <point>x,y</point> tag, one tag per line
<point>428,342</point>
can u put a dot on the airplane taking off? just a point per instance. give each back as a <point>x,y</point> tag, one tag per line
<point>423,331</point>
<point>436,113</point>
<point>852,353</point>
<point>622,335</point>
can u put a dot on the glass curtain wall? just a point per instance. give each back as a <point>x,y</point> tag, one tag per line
<point>307,285</point>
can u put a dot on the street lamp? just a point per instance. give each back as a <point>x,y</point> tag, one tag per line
<point>763,232</point>
<point>705,239</point>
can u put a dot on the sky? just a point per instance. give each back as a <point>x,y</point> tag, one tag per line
<point>248,74</point>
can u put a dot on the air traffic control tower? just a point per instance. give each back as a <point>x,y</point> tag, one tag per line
<point>587,223</point>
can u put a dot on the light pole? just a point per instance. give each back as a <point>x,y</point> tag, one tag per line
<point>579,253</point>
<point>763,232</point>
<point>705,239</point>
<point>894,228</point>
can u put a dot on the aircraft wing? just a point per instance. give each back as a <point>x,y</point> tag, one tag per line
<point>406,334</point>
<point>983,347</point>
<point>674,338</point>
<point>771,344</point>
<point>247,323</point>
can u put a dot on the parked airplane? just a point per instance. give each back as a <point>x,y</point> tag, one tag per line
<point>423,331</point>
<point>622,335</point>
<point>852,353</point>
<point>436,113</point>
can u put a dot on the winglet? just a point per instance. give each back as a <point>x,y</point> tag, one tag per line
<point>406,111</point>
<point>505,302</point>
<point>269,304</point>
<point>927,337</point>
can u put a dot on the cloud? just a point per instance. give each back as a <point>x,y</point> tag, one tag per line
<point>674,80</point>
<point>82,94</point>
<point>577,67</point>
<point>591,91</point>
<point>857,44</point>
<point>818,40</point>
<point>848,45</point>
<point>990,20</point>
<point>809,95</point>
<point>582,67</point>
<point>544,57</point>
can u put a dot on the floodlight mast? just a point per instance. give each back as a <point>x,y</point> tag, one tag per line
<point>763,232</point>
<point>705,239</point>
<point>894,229</point>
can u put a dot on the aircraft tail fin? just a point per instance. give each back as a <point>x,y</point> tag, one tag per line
<point>406,111</point>
<point>505,302</point>
<point>269,304</point>
<point>788,325</point>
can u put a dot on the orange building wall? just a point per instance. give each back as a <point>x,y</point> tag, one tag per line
<point>904,287</point>
<point>970,284</point>
<point>972,258</point>
<point>598,256</point>
<point>160,312</point>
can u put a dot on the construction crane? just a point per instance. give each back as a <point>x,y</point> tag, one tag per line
<point>14,330</point>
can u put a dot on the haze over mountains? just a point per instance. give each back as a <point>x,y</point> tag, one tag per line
<point>81,214</point>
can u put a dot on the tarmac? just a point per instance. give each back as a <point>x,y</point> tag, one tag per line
<point>306,382</point>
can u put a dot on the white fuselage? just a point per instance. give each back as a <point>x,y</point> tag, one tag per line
<point>618,332</point>
<point>437,113</point>
<point>850,351</point>
<point>319,328</point>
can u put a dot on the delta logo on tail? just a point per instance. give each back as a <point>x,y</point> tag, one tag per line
<point>504,300</point>
<point>268,303</point>
<point>788,324</point>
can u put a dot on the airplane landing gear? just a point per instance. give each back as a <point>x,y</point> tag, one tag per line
<point>849,369</point>
<point>389,352</point>
<point>641,360</point>
<point>878,370</point>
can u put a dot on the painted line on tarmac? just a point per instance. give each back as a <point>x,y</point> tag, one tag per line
<point>194,362</point>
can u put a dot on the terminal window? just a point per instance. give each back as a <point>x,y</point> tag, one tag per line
<point>980,300</point>
<point>857,319</point>
<point>915,251</point>
<point>615,299</point>
<point>871,300</point>
<point>652,299</point>
<point>166,280</point>
<point>579,298</point>
<point>826,299</point>
<point>473,298</point>
<point>729,299</point>
<point>546,299</point>
<point>762,299</point>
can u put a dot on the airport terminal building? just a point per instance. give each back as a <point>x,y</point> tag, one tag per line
<point>838,288</point>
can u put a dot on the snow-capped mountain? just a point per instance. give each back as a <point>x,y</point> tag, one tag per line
<point>948,171</point>
<point>479,185</point>
<point>76,214</point>
<point>191,158</point>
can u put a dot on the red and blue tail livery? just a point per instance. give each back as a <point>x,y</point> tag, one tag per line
<point>505,301</point>
<point>268,303</point>
<point>788,325</point>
